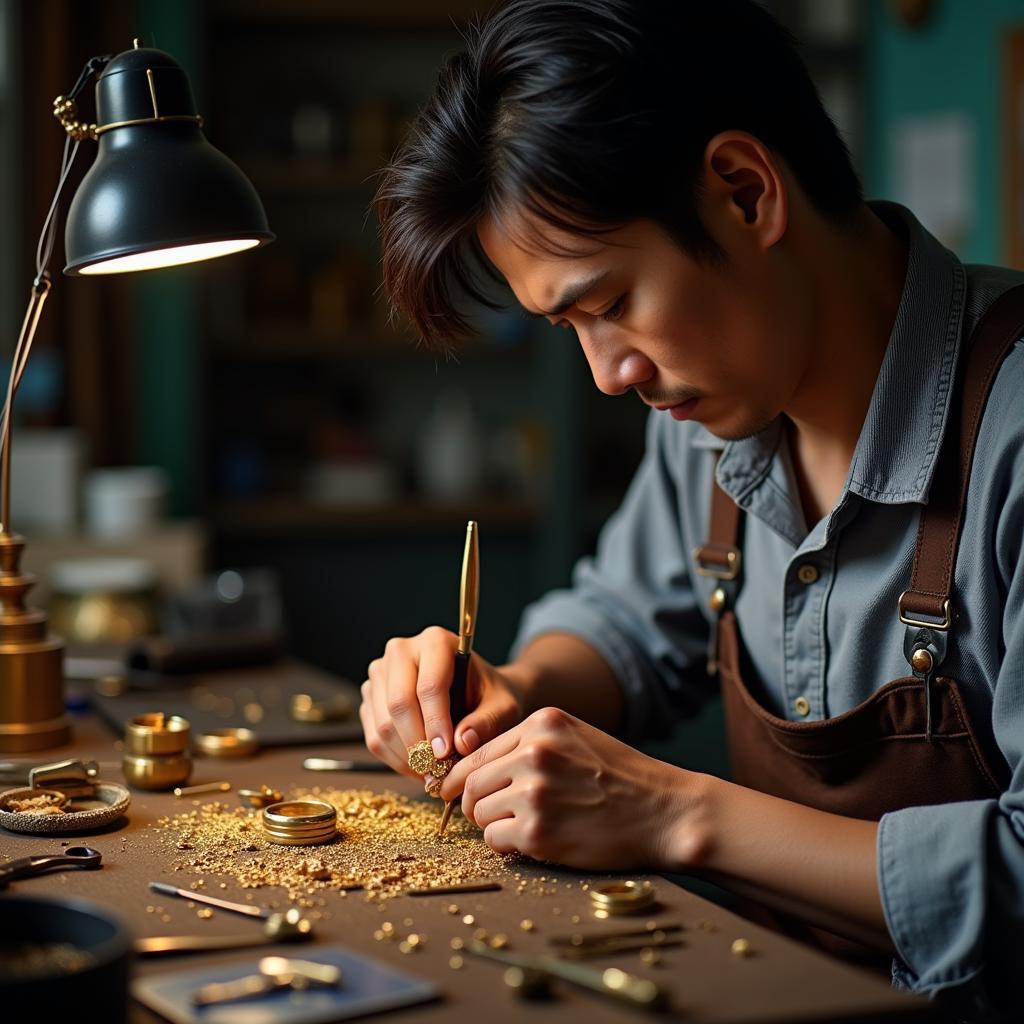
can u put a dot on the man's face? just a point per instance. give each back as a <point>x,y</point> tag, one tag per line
<point>650,318</point>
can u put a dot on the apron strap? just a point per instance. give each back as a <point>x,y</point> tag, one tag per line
<point>720,556</point>
<point>927,603</point>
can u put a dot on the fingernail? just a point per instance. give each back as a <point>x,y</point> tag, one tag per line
<point>470,740</point>
<point>437,745</point>
<point>427,780</point>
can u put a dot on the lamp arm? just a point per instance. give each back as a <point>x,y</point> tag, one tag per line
<point>40,289</point>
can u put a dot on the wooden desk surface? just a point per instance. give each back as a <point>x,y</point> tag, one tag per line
<point>783,981</point>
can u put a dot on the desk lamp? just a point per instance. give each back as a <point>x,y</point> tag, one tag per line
<point>157,195</point>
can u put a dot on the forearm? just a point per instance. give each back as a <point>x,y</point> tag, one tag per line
<point>817,866</point>
<point>561,670</point>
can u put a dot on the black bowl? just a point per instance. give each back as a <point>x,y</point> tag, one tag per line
<point>97,990</point>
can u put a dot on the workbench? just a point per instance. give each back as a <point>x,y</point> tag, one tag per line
<point>780,981</point>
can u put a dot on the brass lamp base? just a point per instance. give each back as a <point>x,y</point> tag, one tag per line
<point>32,715</point>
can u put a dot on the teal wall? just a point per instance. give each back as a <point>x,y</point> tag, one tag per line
<point>955,63</point>
<point>167,307</point>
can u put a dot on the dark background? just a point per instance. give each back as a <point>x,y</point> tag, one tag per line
<point>250,379</point>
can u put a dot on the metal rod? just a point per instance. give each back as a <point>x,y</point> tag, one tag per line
<point>40,291</point>
<point>187,894</point>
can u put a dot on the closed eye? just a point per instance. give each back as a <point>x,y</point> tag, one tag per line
<point>615,310</point>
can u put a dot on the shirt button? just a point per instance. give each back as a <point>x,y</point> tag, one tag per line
<point>802,706</point>
<point>807,573</point>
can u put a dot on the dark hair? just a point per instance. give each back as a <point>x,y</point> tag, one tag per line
<point>590,114</point>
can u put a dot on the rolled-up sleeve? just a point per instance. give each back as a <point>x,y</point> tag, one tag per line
<point>952,875</point>
<point>633,602</point>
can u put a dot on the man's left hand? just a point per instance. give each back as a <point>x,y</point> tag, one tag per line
<point>557,789</point>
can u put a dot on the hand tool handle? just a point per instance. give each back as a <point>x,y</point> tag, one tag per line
<point>458,696</point>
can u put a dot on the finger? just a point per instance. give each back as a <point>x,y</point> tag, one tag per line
<point>398,756</point>
<point>433,686</point>
<point>502,835</point>
<point>485,781</point>
<point>492,716</point>
<point>500,746</point>
<point>499,803</point>
<point>400,697</point>
<point>373,742</point>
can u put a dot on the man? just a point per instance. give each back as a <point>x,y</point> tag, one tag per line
<point>662,179</point>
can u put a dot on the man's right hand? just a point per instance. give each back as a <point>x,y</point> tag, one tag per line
<point>405,700</point>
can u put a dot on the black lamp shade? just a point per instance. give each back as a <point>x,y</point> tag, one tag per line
<point>157,185</point>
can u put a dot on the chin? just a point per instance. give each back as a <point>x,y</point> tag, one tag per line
<point>739,424</point>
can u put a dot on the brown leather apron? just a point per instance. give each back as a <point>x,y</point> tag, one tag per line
<point>911,742</point>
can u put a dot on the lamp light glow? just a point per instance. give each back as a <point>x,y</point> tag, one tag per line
<point>173,256</point>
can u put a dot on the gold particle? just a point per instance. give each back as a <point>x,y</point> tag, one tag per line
<point>408,922</point>
<point>206,912</point>
<point>378,935</point>
<point>405,946</point>
<point>480,935</point>
<point>498,941</point>
<point>414,940</point>
<point>526,924</point>
<point>165,918</point>
<point>650,956</point>
<point>575,918</point>
<point>740,947</point>
<point>387,928</point>
<point>455,962</point>
<point>150,910</point>
<point>469,919</point>
<point>453,908</point>
<point>457,943</point>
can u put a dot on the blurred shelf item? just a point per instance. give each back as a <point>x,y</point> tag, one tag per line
<point>176,550</point>
<point>309,176</point>
<point>293,515</point>
<point>300,341</point>
<point>386,14</point>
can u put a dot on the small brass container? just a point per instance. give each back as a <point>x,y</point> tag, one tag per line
<point>156,733</point>
<point>157,771</point>
<point>300,822</point>
<point>236,742</point>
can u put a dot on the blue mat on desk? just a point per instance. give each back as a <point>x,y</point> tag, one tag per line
<point>367,986</point>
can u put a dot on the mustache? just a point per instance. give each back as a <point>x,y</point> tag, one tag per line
<point>666,398</point>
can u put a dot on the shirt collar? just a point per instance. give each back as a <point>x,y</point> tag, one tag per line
<point>899,442</point>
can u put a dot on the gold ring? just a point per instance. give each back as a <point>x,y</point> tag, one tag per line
<point>236,742</point>
<point>616,898</point>
<point>300,822</point>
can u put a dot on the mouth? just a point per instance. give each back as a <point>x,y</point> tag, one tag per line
<point>678,410</point>
<point>684,410</point>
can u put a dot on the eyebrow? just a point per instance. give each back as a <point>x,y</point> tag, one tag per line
<point>572,294</point>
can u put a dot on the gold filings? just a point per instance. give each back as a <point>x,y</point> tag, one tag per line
<point>388,846</point>
<point>740,947</point>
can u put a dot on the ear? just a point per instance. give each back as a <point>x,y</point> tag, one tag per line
<point>742,173</point>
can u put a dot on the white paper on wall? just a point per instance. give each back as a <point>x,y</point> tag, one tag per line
<point>932,172</point>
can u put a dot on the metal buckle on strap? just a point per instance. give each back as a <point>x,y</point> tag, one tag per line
<point>732,570</point>
<point>943,624</point>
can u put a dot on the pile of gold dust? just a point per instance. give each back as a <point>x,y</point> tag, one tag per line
<point>387,843</point>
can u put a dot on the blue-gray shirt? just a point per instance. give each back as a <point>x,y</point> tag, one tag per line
<point>818,613</point>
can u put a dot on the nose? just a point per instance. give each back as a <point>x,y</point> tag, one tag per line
<point>615,367</point>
